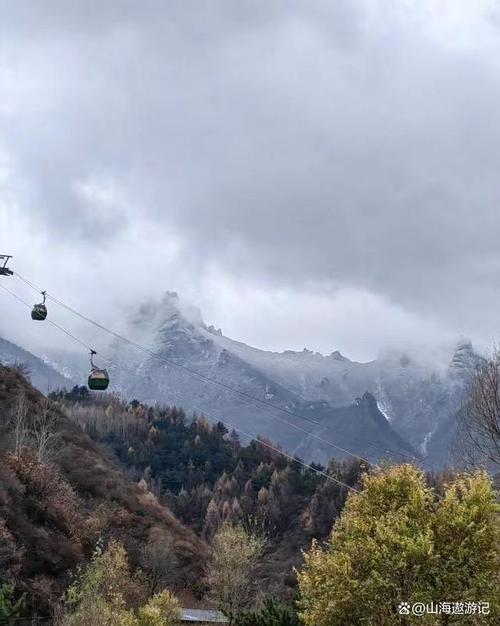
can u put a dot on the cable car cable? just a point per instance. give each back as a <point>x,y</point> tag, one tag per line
<point>228,387</point>
<point>206,378</point>
<point>168,362</point>
<point>275,449</point>
<point>214,381</point>
<point>271,447</point>
<point>177,365</point>
<point>402,454</point>
<point>224,385</point>
<point>66,332</point>
<point>202,412</point>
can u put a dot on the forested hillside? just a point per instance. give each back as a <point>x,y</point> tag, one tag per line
<point>109,510</point>
<point>60,493</point>
<point>207,477</point>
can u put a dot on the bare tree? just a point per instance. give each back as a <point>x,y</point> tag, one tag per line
<point>20,418</point>
<point>159,561</point>
<point>479,422</point>
<point>44,431</point>
<point>23,368</point>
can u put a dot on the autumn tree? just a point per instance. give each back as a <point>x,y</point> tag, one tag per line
<point>107,593</point>
<point>467,541</point>
<point>235,556</point>
<point>394,542</point>
<point>479,419</point>
<point>158,560</point>
<point>212,519</point>
<point>43,431</point>
<point>163,609</point>
<point>10,554</point>
<point>98,595</point>
<point>20,419</point>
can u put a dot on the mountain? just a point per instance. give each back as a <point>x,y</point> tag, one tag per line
<point>43,376</point>
<point>55,507</point>
<point>359,426</point>
<point>412,400</point>
<point>181,339</point>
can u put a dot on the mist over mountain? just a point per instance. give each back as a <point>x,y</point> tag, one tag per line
<point>390,407</point>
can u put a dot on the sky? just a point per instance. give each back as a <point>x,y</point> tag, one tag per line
<point>310,174</point>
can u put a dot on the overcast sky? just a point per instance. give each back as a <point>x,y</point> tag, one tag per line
<point>316,173</point>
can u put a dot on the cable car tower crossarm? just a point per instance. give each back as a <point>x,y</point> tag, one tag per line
<point>4,270</point>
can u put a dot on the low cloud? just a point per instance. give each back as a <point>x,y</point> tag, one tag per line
<point>336,160</point>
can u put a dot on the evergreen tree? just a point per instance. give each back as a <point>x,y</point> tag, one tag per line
<point>272,614</point>
<point>9,607</point>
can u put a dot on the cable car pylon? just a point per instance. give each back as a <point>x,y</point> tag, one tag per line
<point>4,270</point>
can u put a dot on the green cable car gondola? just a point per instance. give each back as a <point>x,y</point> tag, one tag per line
<point>39,311</point>
<point>98,378</point>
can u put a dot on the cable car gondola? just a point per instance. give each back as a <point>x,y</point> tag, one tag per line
<point>98,379</point>
<point>39,311</point>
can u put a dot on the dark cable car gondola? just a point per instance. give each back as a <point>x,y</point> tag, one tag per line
<point>98,379</point>
<point>39,311</point>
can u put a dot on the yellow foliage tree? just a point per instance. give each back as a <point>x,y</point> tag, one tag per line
<point>102,593</point>
<point>467,542</point>
<point>235,556</point>
<point>96,598</point>
<point>395,543</point>
<point>162,610</point>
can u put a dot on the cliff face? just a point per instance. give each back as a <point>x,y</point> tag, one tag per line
<point>53,512</point>
<point>359,427</point>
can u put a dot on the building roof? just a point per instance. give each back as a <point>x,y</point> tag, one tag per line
<point>203,616</point>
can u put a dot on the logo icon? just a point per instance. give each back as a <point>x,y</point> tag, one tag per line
<point>404,608</point>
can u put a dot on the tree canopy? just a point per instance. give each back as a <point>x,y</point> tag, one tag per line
<point>235,556</point>
<point>106,593</point>
<point>396,542</point>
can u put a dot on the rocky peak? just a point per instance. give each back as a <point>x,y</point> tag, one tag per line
<point>213,330</point>
<point>338,356</point>
<point>367,400</point>
<point>465,358</point>
<point>177,328</point>
<point>173,309</point>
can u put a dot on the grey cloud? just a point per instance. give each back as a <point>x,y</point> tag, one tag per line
<point>306,146</point>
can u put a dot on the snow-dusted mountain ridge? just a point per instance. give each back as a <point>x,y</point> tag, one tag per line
<point>410,404</point>
<point>413,398</point>
<point>42,374</point>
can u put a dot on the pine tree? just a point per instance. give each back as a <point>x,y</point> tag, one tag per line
<point>9,608</point>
